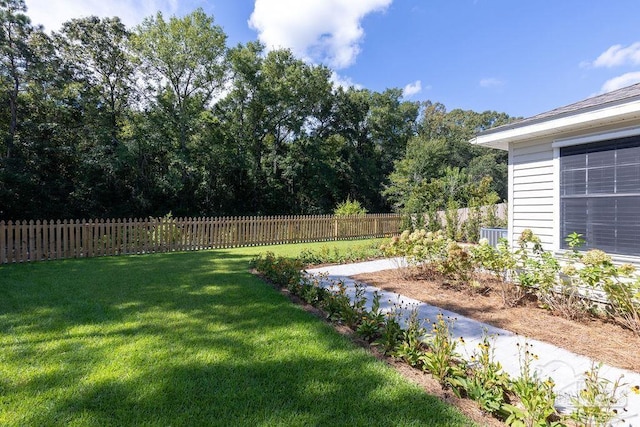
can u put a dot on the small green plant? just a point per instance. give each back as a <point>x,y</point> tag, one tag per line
<point>485,381</point>
<point>441,359</point>
<point>342,308</point>
<point>597,402</point>
<point>536,398</point>
<point>372,321</point>
<point>311,291</point>
<point>411,347</point>
<point>390,333</point>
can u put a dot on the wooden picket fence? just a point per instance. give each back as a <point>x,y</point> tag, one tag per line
<point>24,241</point>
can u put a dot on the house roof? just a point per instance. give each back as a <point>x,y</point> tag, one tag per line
<point>605,108</point>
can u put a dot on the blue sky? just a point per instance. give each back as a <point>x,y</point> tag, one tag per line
<point>518,57</point>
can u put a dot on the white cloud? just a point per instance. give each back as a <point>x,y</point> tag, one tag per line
<point>326,31</point>
<point>52,13</point>
<point>621,81</point>
<point>412,89</point>
<point>618,55</point>
<point>490,82</point>
<point>343,81</point>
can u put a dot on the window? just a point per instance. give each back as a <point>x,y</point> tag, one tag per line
<point>600,194</point>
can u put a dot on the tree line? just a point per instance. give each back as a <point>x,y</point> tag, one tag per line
<point>101,120</point>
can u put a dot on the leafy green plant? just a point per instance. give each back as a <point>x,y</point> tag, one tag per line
<point>536,269</point>
<point>411,347</point>
<point>624,300</point>
<point>349,207</point>
<point>390,333</point>
<point>283,271</point>
<point>536,398</point>
<point>597,402</point>
<point>372,321</point>
<point>311,291</point>
<point>498,261</point>
<point>342,308</point>
<point>441,359</point>
<point>485,381</point>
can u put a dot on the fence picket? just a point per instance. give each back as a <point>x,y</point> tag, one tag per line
<point>3,243</point>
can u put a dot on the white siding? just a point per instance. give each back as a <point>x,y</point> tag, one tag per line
<point>533,191</point>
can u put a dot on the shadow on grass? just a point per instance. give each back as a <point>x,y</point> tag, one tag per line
<point>182,339</point>
<point>295,392</point>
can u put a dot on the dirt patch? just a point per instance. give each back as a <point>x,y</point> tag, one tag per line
<point>595,338</point>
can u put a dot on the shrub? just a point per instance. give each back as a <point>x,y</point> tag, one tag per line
<point>349,207</point>
<point>458,264</point>
<point>498,261</point>
<point>594,270</point>
<point>286,272</point>
<point>422,248</point>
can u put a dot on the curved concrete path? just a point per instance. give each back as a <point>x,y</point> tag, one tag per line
<point>566,368</point>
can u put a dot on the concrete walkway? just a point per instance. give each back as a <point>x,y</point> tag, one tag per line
<point>566,368</point>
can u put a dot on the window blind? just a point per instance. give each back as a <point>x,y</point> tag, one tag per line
<point>600,194</point>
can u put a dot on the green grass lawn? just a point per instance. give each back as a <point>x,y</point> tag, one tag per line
<point>184,339</point>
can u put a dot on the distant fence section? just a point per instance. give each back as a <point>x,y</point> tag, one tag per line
<point>499,211</point>
<point>24,241</point>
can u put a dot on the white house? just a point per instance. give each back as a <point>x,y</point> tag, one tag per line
<point>576,169</point>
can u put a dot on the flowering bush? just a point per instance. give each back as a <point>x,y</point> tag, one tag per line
<point>595,270</point>
<point>420,248</point>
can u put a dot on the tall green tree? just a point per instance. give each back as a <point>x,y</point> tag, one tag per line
<point>393,122</point>
<point>15,56</point>
<point>37,181</point>
<point>183,65</point>
<point>95,50</point>
<point>183,61</point>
